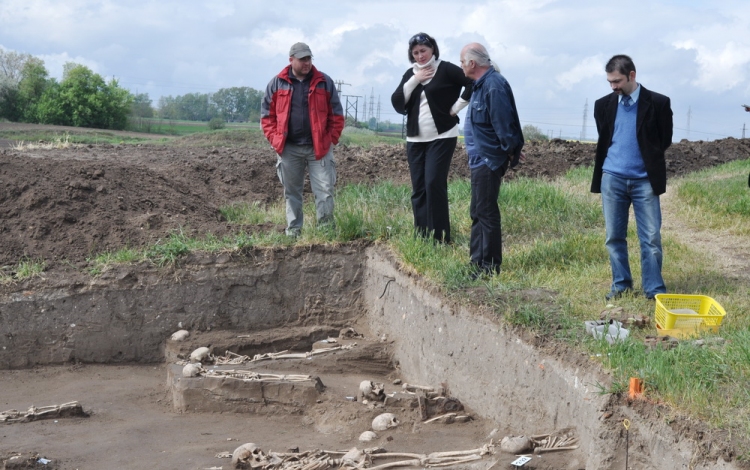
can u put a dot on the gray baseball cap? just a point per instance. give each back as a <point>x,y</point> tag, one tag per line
<point>300,50</point>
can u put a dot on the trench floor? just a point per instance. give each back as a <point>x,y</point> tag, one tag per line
<point>132,422</point>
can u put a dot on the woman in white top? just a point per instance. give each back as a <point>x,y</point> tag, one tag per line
<point>430,96</point>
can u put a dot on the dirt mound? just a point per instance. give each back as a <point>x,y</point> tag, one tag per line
<point>70,204</point>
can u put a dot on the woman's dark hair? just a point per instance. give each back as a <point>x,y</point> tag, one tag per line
<point>423,39</point>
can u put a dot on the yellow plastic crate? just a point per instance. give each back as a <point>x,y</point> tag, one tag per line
<point>686,333</point>
<point>709,313</point>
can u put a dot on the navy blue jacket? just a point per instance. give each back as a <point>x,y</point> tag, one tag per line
<point>498,138</point>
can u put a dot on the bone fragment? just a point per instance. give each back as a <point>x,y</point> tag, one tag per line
<point>446,418</point>
<point>541,450</point>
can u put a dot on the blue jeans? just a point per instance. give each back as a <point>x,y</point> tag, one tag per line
<point>290,168</point>
<point>617,196</point>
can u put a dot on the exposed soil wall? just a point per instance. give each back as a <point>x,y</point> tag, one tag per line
<point>503,377</point>
<point>126,314</point>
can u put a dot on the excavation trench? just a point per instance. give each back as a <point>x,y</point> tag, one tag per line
<point>105,342</point>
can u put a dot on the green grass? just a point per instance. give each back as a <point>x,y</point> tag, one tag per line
<point>25,269</point>
<point>718,198</point>
<point>55,139</point>
<point>175,127</point>
<point>366,138</point>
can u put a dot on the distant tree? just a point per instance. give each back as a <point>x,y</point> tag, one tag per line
<point>194,107</point>
<point>11,70</point>
<point>167,108</point>
<point>230,104</point>
<point>11,65</point>
<point>233,104</point>
<point>83,99</point>
<point>9,105</point>
<point>141,106</point>
<point>532,133</point>
<point>67,68</point>
<point>34,81</point>
<point>190,107</point>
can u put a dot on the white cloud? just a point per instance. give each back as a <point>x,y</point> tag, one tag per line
<point>54,63</point>
<point>589,67</point>
<point>719,68</point>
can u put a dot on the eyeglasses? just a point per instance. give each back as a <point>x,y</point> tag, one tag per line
<point>420,39</point>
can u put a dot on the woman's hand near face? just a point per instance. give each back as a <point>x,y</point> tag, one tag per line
<point>425,74</point>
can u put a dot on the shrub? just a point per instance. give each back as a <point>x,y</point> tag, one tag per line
<point>216,123</point>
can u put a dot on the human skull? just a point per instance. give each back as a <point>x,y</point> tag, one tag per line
<point>192,370</point>
<point>368,436</point>
<point>352,458</point>
<point>181,335</point>
<point>372,390</point>
<point>515,444</point>
<point>384,421</point>
<point>247,456</point>
<point>201,355</point>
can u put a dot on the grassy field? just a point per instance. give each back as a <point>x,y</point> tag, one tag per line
<point>46,138</point>
<point>186,133</point>
<point>180,128</point>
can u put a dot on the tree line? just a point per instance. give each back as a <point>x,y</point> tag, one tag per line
<point>83,98</point>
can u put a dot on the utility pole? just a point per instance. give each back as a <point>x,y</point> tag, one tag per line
<point>585,116</point>
<point>352,104</point>
<point>377,116</point>
<point>338,84</point>
<point>743,130</point>
<point>372,104</point>
<point>690,113</point>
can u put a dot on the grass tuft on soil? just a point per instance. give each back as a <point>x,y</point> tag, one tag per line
<point>25,269</point>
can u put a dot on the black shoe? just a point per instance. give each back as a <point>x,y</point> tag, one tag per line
<point>614,295</point>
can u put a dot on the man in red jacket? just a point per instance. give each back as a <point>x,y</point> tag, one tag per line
<point>302,118</point>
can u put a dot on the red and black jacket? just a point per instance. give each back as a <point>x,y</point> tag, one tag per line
<point>326,113</point>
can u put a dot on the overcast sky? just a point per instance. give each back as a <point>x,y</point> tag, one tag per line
<point>552,52</point>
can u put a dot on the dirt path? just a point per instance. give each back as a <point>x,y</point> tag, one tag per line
<point>730,253</point>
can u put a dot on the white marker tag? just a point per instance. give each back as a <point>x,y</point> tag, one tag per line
<point>521,461</point>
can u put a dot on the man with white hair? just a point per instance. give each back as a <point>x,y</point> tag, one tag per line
<point>493,138</point>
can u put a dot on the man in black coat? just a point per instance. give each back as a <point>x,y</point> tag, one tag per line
<point>635,129</point>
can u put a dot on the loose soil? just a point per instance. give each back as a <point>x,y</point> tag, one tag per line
<point>67,205</point>
<point>64,206</point>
